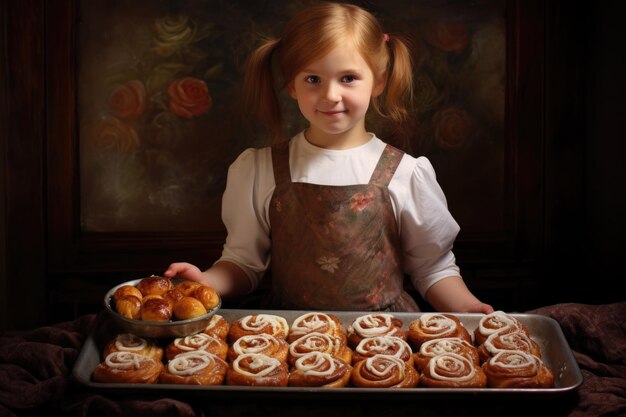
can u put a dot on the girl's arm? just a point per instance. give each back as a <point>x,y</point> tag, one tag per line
<point>228,279</point>
<point>451,294</point>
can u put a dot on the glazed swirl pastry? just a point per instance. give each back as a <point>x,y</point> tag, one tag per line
<point>128,342</point>
<point>259,343</point>
<point>316,322</point>
<point>218,326</point>
<point>371,325</point>
<point>128,367</point>
<point>384,371</point>
<point>259,323</point>
<point>517,369</point>
<point>517,340</point>
<point>431,326</point>
<point>450,370</point>
<point>317,369</point>
<point>199,341</point>
<point>386,345</point>
<point>434,347</point>
<point>319,342</point>
<point>257,370</point>
<point>194,368</point>
<point>496,322</point>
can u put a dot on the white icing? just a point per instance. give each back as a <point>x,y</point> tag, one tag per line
<point>215,319</point>
<point>382,345</point>
<point>513,341</point>
<point>130,342</point>
<point>515,359</point>
<point>371,325</point>
<point>437,324</point>
<point>255,343</point>
<point>451,363</point>
<point>125,360</point>
<point>311,322</point>
<point>199,341</point>
<point>383,366</point>
<point>498,321</point>
<point>190,363</point>
<point>436,347</point>
<point>263,363</point>
<point>316,364</point>
<point>256,323</point>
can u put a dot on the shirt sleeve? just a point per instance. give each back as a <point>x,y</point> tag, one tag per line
<point>427,229</point>
<point>249,186</point>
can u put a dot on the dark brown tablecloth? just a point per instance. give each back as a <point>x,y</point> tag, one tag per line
<point>36,367</point>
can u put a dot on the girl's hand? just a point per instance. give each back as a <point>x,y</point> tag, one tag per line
<point>480,308</point>
<point>184,270</point>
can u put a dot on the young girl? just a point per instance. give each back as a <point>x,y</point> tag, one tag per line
<point>336,214</point>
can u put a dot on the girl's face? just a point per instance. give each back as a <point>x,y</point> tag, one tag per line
<point>333,94</point>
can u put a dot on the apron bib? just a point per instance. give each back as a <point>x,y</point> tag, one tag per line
<point>336,247</point>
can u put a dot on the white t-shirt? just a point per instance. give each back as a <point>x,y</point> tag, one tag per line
<point>427,229</point>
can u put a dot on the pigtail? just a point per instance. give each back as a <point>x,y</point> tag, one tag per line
<point>261,100</point>
<point>398,95</point>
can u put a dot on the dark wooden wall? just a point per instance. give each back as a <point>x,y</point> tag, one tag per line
<point>568,207</point>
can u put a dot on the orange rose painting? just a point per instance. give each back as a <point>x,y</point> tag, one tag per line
<point>160,116</point>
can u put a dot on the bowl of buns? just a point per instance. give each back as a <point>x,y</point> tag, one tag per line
<point>160,307</point>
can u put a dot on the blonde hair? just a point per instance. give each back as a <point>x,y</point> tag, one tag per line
<point>310,35</point>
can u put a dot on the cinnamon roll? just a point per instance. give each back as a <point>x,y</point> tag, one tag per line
<point>318,369</point>
<point>434,347</point>
<point>431,326</point>
<point>386,345</point>
<point>194,368</point>
<point>128,342</point>
<point>218,326</point>
<point>375,324</point>
<point>517,340</point>
<point>199,341</point>
<point>128,367</point>
<point>384,371</point>
<point>319,342</point>
<point>258,323</point>
<point>517,369</point>
<point>254,369</point>
<point>496,322</point>
<point>316,322</point>
<point>451,370</point>
<point>259,343</point>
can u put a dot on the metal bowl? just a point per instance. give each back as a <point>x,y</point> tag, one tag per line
<point>153,329</point>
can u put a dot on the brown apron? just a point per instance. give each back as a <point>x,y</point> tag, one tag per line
<point>336,247</point>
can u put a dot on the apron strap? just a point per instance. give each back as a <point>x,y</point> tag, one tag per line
<point>386,167</point>
<point>280,164</point>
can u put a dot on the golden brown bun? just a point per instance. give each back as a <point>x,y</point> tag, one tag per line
<point>257,370</point>
<point>434,347</point>
<point>188,308</point>
<point>200,341</point>
<point>386,345</point>
<point>450,370</point>
<point>384,371</point>
<point>496,322</point>
<point>431,326</point>
<point>156,309</point>
<point>128,367</point>
<point>194,368</point>
<point>126,290</point>
<point>154,285</point>
<point>375,324</point>
<point>207,296</point>
<point>218,327</point>
<point>316,322</point>
<point>517,369</point>
<point>317,369</point>
<point>259,343</point>
<point>128,342</point>
<point>517,340</point>
<point>129,306</point>
<point>319,342</point>
<point>258,323</point>
<point>173,296</point>
<point>187,287</point>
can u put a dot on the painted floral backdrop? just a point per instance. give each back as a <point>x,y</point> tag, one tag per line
<point>159,105</point>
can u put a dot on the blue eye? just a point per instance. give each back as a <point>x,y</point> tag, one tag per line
<point>312,79</point>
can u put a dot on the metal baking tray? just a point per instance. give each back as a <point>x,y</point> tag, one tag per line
<point>546,331</point>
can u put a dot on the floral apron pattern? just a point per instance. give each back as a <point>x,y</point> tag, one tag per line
<point>336,247</point>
